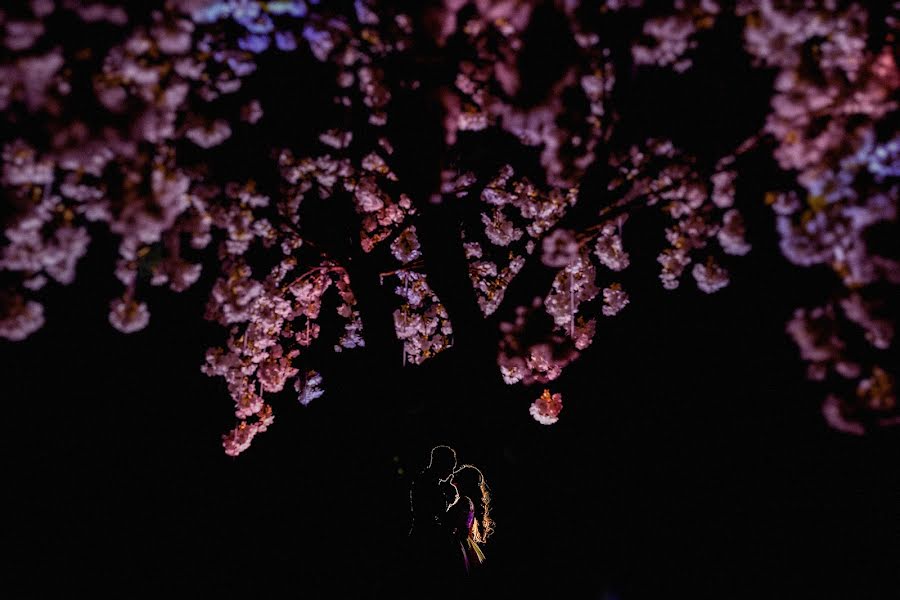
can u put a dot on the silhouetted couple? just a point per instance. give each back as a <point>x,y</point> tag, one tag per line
<point>450,508</point>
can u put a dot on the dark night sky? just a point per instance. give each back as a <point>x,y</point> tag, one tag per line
<point>690,460</point>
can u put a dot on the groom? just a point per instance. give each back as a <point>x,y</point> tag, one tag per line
<point>432,492</point>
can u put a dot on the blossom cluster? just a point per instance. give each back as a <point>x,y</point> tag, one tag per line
<point>546,408</point>
<point>271,321</point>
<point>421,321</point>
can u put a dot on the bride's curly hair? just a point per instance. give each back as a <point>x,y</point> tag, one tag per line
<point>469,480</point>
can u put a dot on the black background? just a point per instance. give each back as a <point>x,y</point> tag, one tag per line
<point>690,460</point>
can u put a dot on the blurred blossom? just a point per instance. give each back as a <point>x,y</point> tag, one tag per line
<point>252,112</point>
<point>731,234</point>
<point>670,41</point>
<point>208,136</point>
<point>560,248</point>
<point>128,315</point>
<point>20,318</point>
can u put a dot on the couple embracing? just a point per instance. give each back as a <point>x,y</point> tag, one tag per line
<point>450,511</point>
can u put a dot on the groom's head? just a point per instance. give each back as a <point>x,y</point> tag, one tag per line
<point>443,461</point>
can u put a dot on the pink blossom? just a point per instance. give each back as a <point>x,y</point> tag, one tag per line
<point>608,247</point>
<point>128,315</point>
<point>405,246</point>
<point>614,299</point>
<point>309,387</point>
<point>336,139</point>
<point>560,248</point>
<point>20,318</point>
<point>546,409</point>
<point>211,135</point>
<point>814,333</point>
<point>252,112</point>
<point>833,413</point>
<point>723,189</point>
<point>710,277</point>
<point>671,41</point>
<point>584,332</point>
<point>498,229</point>
<point>731,235</point>
<point>274,372</point>
<point>673,263</point>
<point>572,286</point>
<point>21,35</point>
<point>239,438</point>
<point>174,37</point>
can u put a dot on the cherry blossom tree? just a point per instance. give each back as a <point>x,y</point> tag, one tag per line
<point>133,126</point>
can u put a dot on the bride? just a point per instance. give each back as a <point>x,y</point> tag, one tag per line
<point>469,517</point>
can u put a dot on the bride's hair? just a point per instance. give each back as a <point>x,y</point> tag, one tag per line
<point>470,482</point>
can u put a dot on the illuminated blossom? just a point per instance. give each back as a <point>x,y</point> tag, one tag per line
<point>498,229</point>
<point>614,299</point>
<point>710,277</point>
<point>572,286</point>
<point>731,235</point>
<point>309,387</point>
<point>405,247</point>
<point>608,247</point>
<point>546,409</point>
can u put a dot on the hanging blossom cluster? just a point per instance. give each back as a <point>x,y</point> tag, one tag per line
<point>546,409</point>
<point>138,125</point>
